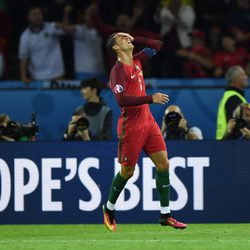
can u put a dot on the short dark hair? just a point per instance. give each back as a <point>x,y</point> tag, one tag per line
<point>94,83</point>
<point>110,43</point>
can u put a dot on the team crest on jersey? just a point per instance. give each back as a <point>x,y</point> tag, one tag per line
<point>118,88</point>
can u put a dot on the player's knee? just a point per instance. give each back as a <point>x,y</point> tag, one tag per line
<point>127,172</point>
<point>163,165</point>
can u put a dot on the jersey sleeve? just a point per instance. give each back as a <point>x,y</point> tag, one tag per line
<point>152,47</point>
<point>118,85</point>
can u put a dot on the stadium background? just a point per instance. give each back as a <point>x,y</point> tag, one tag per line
<point>228,165</point>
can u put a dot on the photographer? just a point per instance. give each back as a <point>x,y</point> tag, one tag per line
<point>96,113</point>
<point>175,126</point>
<point>77,128</point>
<point>4,120</point>
<point>238,128</point>
<point>15,131</point>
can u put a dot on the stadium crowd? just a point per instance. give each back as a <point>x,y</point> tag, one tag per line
<point>201,38</point>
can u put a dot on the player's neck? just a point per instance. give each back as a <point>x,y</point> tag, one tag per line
<point>125,57</point>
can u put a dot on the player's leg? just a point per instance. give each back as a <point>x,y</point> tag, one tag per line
<point>161,162</point>
<point>128,153</point>
<point>156,149</point>
<point>118,184</point>
<point>116,188</point>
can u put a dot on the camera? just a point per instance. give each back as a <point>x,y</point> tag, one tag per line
<point>240,123</point>
<point>172,120</point>
<point>173,131</point>
<point>19,131</point>
<point>81,124</point>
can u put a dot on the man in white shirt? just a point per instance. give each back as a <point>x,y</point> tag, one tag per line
<point>39,49</point>
<point>88,54</point>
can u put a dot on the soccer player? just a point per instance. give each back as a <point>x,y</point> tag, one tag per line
<point>137,130</point>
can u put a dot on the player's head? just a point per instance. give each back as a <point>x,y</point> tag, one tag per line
<point>111,41</point>
<point>119,42</point>
<point>236,76</point>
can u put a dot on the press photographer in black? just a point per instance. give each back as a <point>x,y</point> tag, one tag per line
<point>175,126</point>
<point>94,112</point>
<point>238,128</point>
<point>15,131</point>
<point>78,128</point>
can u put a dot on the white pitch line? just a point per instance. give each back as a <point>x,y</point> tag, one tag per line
<point>117,240</point>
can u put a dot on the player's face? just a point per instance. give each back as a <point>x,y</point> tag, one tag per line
<point>124,43</point>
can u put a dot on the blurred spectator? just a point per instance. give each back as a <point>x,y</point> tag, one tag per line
<point>239,127</point>
<point>123,23</point>
<point>198,58</point>
<point>239,20</point>
<point>5,32</point>
<point>177,20</point>
<point>39,49</point>
<point>88,54</point>
<point>144,11</point>
<point>233,96</point>
<point>211,12</point>
<point>175,126</point>
<point>215,38</point>
<point>98,114</point>
<point>230,55</point>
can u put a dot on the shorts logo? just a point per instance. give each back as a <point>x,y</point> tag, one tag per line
<point>118,88</point>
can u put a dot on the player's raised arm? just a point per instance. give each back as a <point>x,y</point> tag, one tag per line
<point>152,47</point>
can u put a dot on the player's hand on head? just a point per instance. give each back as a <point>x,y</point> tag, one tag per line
<point>160,98</point>
<point>126,35</point>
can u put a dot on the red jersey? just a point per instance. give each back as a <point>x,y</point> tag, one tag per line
<point>194,69</point>
<point>127,84</point>
<point>225,59</point>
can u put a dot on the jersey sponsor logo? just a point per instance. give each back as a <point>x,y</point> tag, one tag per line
<point>118,88</point>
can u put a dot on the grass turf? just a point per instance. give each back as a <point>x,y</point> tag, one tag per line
<point>128,236</point>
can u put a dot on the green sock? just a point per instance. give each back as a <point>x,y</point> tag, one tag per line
<point>117,186</point>
<point>163,187</point>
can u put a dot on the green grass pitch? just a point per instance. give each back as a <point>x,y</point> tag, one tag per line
<point>128,236</point>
